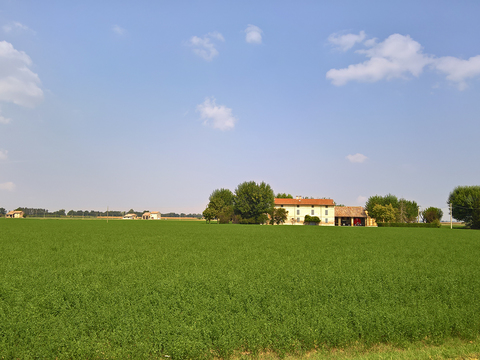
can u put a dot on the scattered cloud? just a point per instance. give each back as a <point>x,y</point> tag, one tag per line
<point>459,70</point>
<point>118,30</point>
<point>3,155</point>
<point>4,120</point>
<point>15,26</point>
<point>398,56</point>
<point>253,34</point>
<point>357,158</point>
<point>395,57</point>
<point>217,116</point>
<point>347,41</point>
<point>9,186</point>
<point>204,47</point>
<point>18,84</point>
<point>361,199</point>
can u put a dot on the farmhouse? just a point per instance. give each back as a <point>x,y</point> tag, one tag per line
<point>130,216</point>
<point>352,216</point>
<point>14,214</point>
<point>297,209</point>
<point>154,215</point>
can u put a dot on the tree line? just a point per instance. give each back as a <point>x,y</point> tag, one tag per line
<point>464,201</point>
<point>38,212</point>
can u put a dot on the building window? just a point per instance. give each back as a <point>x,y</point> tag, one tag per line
<point>298,212</point>
<point>326,212</point>
<point>298,219</point>
<point>326,220</point>
<point>313,212</point>
<point>298,205</point>
<point>281,205</point>
<point>326,207</point>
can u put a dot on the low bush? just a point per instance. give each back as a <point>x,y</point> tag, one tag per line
<point>435,224</point>
<point>311,220</point>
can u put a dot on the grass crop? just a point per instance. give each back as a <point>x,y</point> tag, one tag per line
<point>146,289</point>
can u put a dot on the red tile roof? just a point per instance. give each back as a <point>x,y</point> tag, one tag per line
<point>350,211</point>
<point>304,202</point>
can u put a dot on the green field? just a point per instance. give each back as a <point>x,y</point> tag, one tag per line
<point>146,289</point>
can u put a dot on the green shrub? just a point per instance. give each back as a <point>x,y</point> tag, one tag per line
<point>435,224</point>
<point>311,220</point>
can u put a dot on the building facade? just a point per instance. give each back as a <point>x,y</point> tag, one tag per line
<point>297,209</point>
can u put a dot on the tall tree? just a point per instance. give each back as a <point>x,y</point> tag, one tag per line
<point>407,211</point>
<point>385,213</point>
<point>278,216</point>
<point>221,205</point>
<point>432,214</point>
<point>253,201</point>
<point>465,202</point>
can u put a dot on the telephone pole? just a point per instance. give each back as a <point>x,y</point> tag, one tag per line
<point>451,224</point>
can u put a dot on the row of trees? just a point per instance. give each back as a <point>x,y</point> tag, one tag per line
<point>251,203</point>
<point>464,202</point>
<point>37,212</point>
<point>389,208</point>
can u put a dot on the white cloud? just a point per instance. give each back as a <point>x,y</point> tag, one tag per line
<point>9,186</point>
<point>217,116</point>
<point>357,158</point>
<point>459,70</point>
<point>204,47</point>
<point>15,26</point>
<point>347,41</point>
<point>395,57</point>
<point>253,34</point>
<point>361,199</point>
<point>18,84</point>
<point>4,120</point>
<point>118,30</point>
<point>3,155</point>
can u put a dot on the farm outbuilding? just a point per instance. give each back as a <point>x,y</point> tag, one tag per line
<point>130,216</point>
<point>352,216</point>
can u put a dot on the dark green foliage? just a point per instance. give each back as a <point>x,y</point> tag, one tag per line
<point>3,211</point>
<point>220,206</point>
<point>465,202</point>
<point>405,210</point>
<point>253,201</point>
<point>434,224</point>
<point>311,220</point>
<point>76,289</point>
<point>278,216</point>
<point>209,214</point>
<point>432,214</point>
<point>284,196</point>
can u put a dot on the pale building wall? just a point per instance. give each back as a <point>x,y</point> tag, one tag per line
<point>326,213</point>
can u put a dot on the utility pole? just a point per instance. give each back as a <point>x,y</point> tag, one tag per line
<point>451,224</point>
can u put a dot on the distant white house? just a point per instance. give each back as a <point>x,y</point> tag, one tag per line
<point>130,216</point>
<point>297,209</point>
<point>154,215</point>
<point>14,214</point>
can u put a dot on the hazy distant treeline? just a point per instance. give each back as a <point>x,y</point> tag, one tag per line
<point>37,212</point>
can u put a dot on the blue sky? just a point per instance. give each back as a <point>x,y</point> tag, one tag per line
<point>154,104</point>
